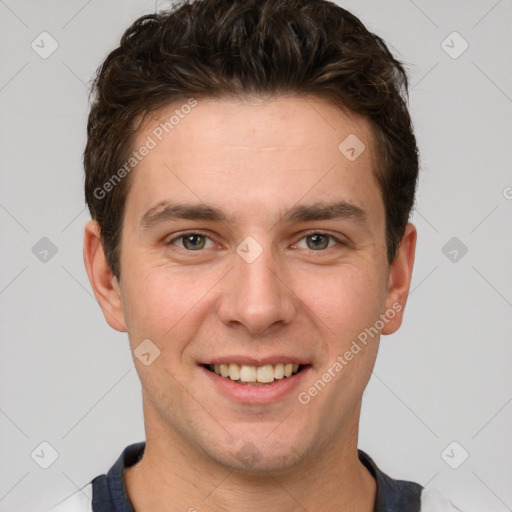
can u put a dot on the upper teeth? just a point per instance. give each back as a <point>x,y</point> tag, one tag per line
<point>264,374</point>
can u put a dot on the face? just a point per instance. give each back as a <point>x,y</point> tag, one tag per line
<point>253,245</point>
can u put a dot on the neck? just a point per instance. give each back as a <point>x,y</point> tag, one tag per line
<point>173,472</point>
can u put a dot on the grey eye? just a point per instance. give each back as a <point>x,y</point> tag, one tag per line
<point>193,242</point>
<point>317,241</point>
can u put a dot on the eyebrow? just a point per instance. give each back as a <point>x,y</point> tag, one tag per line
<point>166,211</point>
<point>325,211</point>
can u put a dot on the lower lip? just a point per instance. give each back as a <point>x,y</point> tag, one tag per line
<point>259,394</point>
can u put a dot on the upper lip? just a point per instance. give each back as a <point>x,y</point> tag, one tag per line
<point>256,361</point>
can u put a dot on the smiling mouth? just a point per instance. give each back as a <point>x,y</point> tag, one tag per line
<point>255,375</point>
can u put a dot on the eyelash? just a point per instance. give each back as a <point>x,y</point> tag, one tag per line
<point>328,235</point>
<point>310,233</point>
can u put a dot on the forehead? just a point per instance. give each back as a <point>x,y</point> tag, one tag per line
<point>236,152</point>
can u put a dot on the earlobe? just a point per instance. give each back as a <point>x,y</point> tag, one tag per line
<point>104,284</point>
<point>400,274</point>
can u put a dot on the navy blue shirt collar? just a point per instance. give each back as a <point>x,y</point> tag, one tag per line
<point>110,494</point>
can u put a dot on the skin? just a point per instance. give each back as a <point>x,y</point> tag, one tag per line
<point>255,159</point>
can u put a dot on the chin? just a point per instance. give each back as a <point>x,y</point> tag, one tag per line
<point>262,453</point>
<point>251,461</point>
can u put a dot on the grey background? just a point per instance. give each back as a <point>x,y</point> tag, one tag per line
<point>68,379</point>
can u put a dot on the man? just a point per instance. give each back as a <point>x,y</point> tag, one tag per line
<point>250,172</point>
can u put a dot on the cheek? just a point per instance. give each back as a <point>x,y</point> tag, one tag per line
<point>153,303</point>
<point>161,303</point>
<point>346,300</point>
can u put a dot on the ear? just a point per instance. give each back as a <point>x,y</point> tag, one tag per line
<point>104,285</point>
<point>400,273</point>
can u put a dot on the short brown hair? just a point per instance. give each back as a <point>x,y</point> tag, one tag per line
<point>247,47</point>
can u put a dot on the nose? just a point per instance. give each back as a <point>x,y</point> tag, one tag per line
<point>256,295</point>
